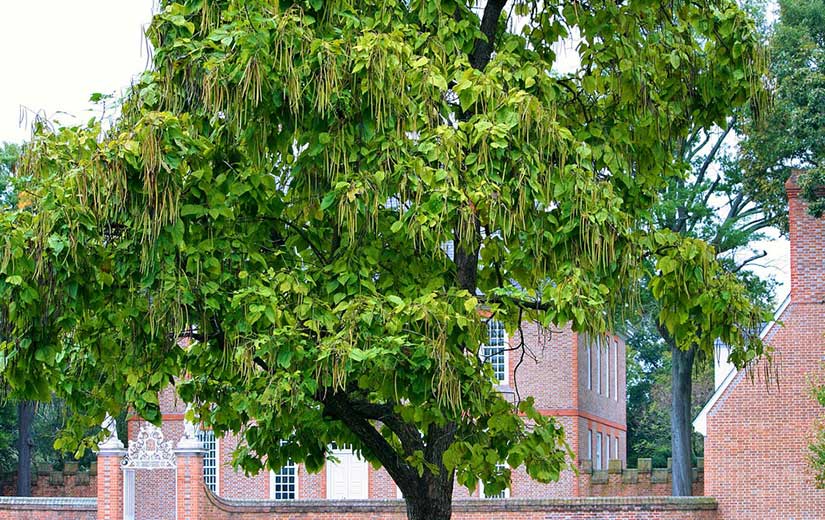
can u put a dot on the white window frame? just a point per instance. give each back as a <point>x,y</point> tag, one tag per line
<point>204,437</point>
<point>505,354</point>
<point>589,347</point>
<point>616,447</point>
<point>598,365</point>
<point>598,462</point>
<point>272,484</point>
<point>505,493</point>
<point>590,446</point>
<point>616,369</point>
<point>607,367</point>
<point>609,446</point>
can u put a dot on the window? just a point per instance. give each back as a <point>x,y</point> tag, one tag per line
<point>607,450</point>
<point>598,365</point>
<point>589,366</point>
<point>494,352</point>
<point>607,370</point>
<point>590,445</point>
<point>597,464</point>
<point>210,459</point>
<point>283,484</point>
<point>615,370</point>
<point>616,448</point>
<point>505,493</point>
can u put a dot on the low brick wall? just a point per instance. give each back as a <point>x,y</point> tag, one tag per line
<point>589,508</point>
<point>642,481</point>
<point>49,483</point>
<point>51,508</point>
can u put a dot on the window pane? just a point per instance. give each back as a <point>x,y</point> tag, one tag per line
<point>210,459</point>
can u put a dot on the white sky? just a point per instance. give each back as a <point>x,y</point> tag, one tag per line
<point>56,53</point>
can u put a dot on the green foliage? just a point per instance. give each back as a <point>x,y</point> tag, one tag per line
<point>280,189</point>
<point>9,154</point>
<point>792,135</point>
<point>816,456</point>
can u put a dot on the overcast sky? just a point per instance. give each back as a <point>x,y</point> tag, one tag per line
<point>56,53</point>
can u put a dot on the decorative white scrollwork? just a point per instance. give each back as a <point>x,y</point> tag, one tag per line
<point>149,450</point>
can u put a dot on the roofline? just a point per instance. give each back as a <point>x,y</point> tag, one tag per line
<point>700,423</point>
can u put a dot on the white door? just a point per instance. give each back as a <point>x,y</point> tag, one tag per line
<point>348,478</point>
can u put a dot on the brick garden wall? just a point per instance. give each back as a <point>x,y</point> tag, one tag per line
<point>48,483</point>
<point>647,508</point>
<point>20,508</point>
<point>642,481</point>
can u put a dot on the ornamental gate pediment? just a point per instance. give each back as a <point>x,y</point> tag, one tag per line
<point>149,450</point>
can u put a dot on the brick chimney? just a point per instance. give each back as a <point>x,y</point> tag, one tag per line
<point>807,235</point>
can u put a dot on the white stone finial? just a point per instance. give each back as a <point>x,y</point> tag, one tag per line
<point>190,440</point>
<point>112,442</point>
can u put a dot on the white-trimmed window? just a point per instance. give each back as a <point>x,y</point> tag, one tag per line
<point>607,453</point>
<point>607,367</point>
<point>598,364</point>
<point>495,350</point>
<point>505,493</point>
<point>590,445</point>
<point>210,459</point>
<point>616,369</point>
<point>283,484</point>
<point>616,448</point>
<point>597,464</point>
<point>589,365</point>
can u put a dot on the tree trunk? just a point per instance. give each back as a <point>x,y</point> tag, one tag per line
<point>25,418</point>
<point>680,419</point>
<point>436,501</point>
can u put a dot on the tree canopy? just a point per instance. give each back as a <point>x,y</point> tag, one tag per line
<point>793,133</point>
<point>308,210</point>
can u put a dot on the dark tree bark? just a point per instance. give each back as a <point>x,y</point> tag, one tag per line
<point>680,417</point>
<point>25,418</point>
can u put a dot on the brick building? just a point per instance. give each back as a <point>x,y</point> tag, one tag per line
<point>760,420</point>
<point>581,382</point>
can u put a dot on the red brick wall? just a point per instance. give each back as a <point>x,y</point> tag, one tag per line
<point>55,484</point>
<point>645,508</point>
<point>14,508</point>
<point>759,430</point>
<point>235,484</point>
<point>642,481</point>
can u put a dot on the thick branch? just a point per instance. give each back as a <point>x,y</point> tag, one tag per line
<point>337,406</point>
<point>483,48</point>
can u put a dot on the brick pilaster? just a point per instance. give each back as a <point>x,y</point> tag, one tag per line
<point>191,496</point>
<point>110,484</point>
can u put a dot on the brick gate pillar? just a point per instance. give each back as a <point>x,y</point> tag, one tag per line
<point>190,496</point>
<point>110,475</point>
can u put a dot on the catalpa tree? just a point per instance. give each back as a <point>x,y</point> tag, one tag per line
<point>329,199</point>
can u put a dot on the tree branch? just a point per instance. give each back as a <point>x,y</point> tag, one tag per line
<point>483,48</point>
<point>338,406</point>
<point>755,257</point>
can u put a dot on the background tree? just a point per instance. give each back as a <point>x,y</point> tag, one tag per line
<point>24,418</point>
<point>792,135</point>
<point>281,189</point>
<point>717,202</point>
